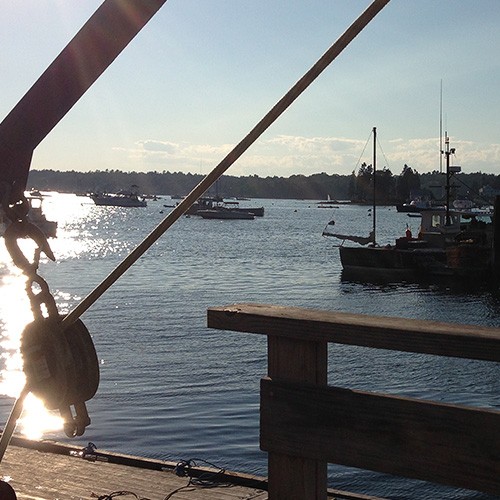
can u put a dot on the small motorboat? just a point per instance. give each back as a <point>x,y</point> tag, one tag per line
<point>224,213</point>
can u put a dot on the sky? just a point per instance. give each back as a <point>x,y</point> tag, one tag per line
<point>201,74</point>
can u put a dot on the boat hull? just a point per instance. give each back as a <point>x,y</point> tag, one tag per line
<point>256,211</point>
<point>389,258</point>
<point>224,214</point>
<point>218,203</point>
<point>459,260</point>
<point>118,201</point>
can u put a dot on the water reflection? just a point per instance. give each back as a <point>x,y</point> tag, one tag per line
<point>437,298</point>
<point>397,278</point>
<point>170,387</point>
<point>77,221</point>
<point>15,314</point>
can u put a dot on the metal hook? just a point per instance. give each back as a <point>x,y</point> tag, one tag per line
<point>25,229</point>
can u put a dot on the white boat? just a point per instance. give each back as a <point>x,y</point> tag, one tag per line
<point>328,203</point>
<point>415,205</point>
<point>120,199</point>
<point>35,215</point>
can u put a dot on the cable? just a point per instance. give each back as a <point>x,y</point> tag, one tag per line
<point>383,154</point>
<point>204,480</point>
<point>115,494</point>
<point>362,152</point>
<point>182,488</point>
<point>470,189</point>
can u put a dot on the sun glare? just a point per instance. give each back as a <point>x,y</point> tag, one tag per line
<point>37,420</point>
<point>15,314</point>
<point>70,212</point>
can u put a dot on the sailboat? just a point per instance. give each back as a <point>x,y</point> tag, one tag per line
<point>450,242</point>
<point>328,203</point>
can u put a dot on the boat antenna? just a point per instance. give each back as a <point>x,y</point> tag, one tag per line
<point>374,210</point>
<point>441,128</point>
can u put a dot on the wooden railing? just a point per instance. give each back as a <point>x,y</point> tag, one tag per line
<point>306,424</point>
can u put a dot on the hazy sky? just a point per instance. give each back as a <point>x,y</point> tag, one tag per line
<point>202,73</point>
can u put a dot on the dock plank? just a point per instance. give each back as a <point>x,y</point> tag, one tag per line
<point>49,470</point>
<point>37,475</point>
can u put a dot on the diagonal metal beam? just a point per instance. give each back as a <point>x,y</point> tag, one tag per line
<point>114,24</point>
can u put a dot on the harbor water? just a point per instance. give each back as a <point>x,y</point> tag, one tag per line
<point>173,389</point>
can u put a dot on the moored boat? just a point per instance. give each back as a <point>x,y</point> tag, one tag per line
<point>450,242</point>
<point>416,205</point>
<point>328,203</point>
<point>464,247</point>
<point>36,216</point>
<point>217,202</point>
<point>120,199</point>
<point>224,213</point>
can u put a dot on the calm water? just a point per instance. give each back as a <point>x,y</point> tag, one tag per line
<point>173,389</point>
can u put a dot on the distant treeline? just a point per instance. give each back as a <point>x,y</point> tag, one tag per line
<point>357,186</point>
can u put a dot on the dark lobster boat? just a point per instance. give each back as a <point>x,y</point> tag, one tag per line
<point>450,242</point>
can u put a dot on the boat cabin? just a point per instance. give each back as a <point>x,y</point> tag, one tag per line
<point>439,233</point>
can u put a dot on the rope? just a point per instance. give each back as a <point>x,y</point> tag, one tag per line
<point>323,62</point>
<point>383,153</point>
<point>115,494</point>
<point>205,480</point>
<point>184,468</point>
<point>362,152</point>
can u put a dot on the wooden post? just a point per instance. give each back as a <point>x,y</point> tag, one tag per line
<point>301,416</point>
<point>295,478</point>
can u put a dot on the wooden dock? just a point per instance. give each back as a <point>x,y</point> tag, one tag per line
<point>49,471</point>
<point>55,471</point>
<point>46,470</point>
<point>305,422</point>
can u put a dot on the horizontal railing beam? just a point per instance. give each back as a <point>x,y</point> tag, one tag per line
<point>442,443</point>
<point>398,334</point>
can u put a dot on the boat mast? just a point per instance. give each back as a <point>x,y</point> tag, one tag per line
<point>374,210</point>
<point>449,172</point>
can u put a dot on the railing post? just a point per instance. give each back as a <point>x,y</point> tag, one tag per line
<point>295,478</point>
<point>301,416</point>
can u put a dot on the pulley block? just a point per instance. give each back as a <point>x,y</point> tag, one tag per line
<point>61,368</point>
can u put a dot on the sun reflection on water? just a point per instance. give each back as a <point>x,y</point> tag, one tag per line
<point>15,314</point>
<point>85,232</point>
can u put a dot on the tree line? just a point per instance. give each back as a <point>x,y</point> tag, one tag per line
<point>358,186</point>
